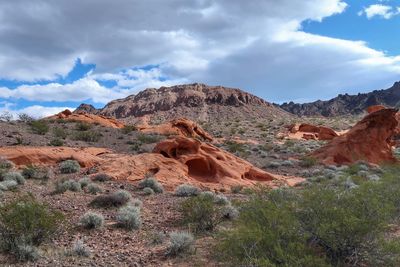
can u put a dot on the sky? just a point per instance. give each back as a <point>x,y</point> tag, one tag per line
<point>58,54</point>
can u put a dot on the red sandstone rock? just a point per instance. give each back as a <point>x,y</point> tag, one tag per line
<point>370,140</point>
<point>308,131</point>
<point>87,118</point>
<point>375,108</point>
<point>181,127</point>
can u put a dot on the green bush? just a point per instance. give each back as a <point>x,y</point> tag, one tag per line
<point>92,220</point>
<point>180,242</point>
<point>25,221</point>
<point>152,183</point>
<point>83,126</point>
<point>80,249</point>
<point>187,190</point>
<point>148,138</point>
<point>101,177</point>
<point>62,186</point>
<point>6,164</point>
<point>56,142</point>
<point>201,213</point>
<point>128,129</point>
<point>129,217</point>
<point>69,166</point>
<point>308,162</point>
<point>93,189</point>
<point>87,136</point>
<point>148,191</point>
<point>267,233</point>
<point>8,185</point>
<point>35,172</point>
<point>116,199</point>
<point>14,176</point>
<point>317,224</point>
<point>39,127</point>
<point>59,133</point>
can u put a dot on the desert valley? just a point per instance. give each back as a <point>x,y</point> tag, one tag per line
<point>177,176</point>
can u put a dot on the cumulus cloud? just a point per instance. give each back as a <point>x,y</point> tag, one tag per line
<point>35,111</point>
<point>257,45</point>
<point>379,10</point>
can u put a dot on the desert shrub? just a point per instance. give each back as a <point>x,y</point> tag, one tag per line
<point>116,199</point>
<point>128,129</point>
<point>14,176</point>
<point>136,203</point>
<point>87,136</point>
<point>29,171</point>
<point>56,142</point>
<point>221,200</point>
<point>186,190</point>
<point>84,182</point>
<point>69,166</point>
<point>62,186</point>
<point>129,217</point>
<point>267,233</point>
<point>148,138</point>
<point>308,162</point>
<point>92,220</point>
<point>93,189</point>
<point>148,191</point>
<point>201,213</point>
<point>83,126</point>
<point>6,164</point>
<point>24,252</point>
<point>157,238</point>
<point>234,147</point>
<point>101,177</point>
<point>180,242</point>
<point>152,183</point>
<point>25,221</point>
<point>80,249</point>
<point>39,127</point>
<point>59,133</point>
<point>6,116</point>
<point>8,185</point>
<point>23,117</point>
<point>236,189</point>
<point>317,224</point>
<point>229,212</point>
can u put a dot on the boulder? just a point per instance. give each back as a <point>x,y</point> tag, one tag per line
<point>309,131</point>
<point>82,116</point>
<point>369,140</point>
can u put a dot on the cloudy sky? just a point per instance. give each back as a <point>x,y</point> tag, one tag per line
<point>58,53</point>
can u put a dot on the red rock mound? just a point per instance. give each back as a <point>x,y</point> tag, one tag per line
<point>26,155</point>
<point>181,127</point>
<point>88,118</point>
<point>370,140</point>
<point>174,162</point>
<point>375,108</point>
<point>308,131</point>
<point>208,164</point>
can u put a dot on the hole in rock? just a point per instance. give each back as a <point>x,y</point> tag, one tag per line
<point>201,170</point>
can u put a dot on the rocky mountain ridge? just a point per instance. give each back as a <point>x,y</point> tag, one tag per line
<point>196,101</point>
<point>345,104</point>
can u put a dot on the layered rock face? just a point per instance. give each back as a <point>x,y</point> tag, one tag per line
<point>347,104</point>
<point>308,131</point>
<point>82,116</point>
<point>197,102</point>
<point>180,127</point>
<point>369,140</point>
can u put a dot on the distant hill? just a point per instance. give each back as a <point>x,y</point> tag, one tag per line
<point>198,102</point>
<point>347,104</point>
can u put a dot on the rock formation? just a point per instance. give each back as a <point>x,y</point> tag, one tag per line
<point>369,140</point>
<point>180,127</point>
<point>82,116</point>
<point>197,102</point>
<point>308,131</point>
<point>375,108</point>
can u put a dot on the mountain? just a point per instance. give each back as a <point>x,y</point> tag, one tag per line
<point>347,104</point>
<point>196,101</point>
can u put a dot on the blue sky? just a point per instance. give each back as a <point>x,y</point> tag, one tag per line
<point>279,50</point>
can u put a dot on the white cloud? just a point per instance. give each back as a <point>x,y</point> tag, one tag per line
<point>257,45</point>
<point>35,111</point>
<point>379,10</point>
